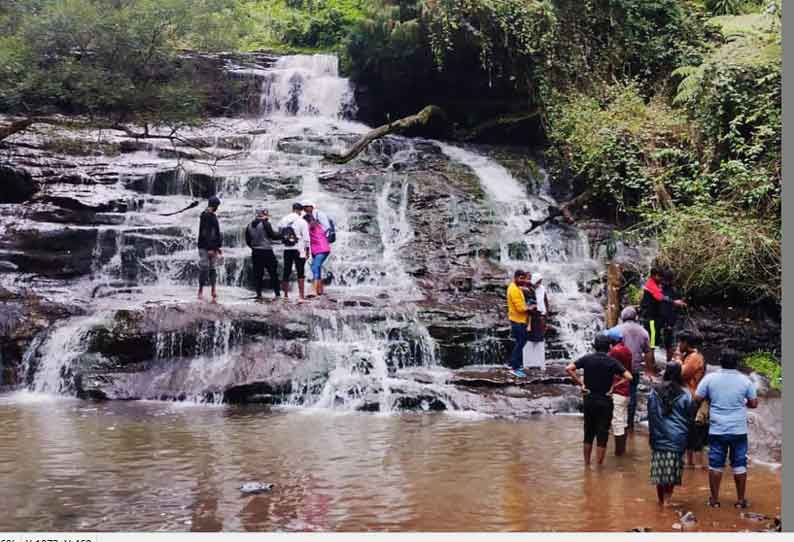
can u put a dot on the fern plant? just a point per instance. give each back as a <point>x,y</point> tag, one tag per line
<point>691,81</point>
<point>724,7</point>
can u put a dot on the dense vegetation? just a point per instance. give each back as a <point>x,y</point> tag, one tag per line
<point>666,111</point>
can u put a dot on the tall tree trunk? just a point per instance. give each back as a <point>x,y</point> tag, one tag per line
<point>614,281</point>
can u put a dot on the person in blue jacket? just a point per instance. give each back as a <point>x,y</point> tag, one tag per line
<point>670,407</point>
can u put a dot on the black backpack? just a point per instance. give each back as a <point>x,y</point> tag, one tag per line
<point>288,236</point>
<point>331,233</point>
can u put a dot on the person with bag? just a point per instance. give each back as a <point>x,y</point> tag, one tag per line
<point>294,233</point>
<point>693,369</point>
<point>329,226</point>
<point>670,408</point>
<point>320,249</point>
<point>259,236</point>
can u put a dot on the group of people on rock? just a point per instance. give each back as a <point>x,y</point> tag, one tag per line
<point>305,232</point>
<point>687,408</point>
<point>527,309</point>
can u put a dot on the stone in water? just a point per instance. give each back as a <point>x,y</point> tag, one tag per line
<point>252,488</point>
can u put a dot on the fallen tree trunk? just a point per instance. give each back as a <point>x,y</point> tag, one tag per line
<point>564,211</point>
<point>419,119</point>
<point>15,127</point>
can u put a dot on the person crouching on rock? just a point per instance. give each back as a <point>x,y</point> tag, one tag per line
<point>670,407</point>
<point>209,245</point>
<point>259,236</point>
<point>599,371</point>
<point>320,249</point>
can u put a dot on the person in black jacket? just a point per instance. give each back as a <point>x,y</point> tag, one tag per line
<point>259,236</point>
<point>209,245</point>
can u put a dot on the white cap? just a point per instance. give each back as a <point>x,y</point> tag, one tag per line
<point>308,204</point>
<point>537,277</point>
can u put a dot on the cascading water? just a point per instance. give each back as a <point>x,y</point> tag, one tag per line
<point>561,254</point>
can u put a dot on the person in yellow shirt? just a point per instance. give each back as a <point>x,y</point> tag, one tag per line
<point>518,313</point>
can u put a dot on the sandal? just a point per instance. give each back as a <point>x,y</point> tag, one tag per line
<point>742,504</point>
<point>713,504</point>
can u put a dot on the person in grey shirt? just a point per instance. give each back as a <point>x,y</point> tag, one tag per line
<point>638,342</point>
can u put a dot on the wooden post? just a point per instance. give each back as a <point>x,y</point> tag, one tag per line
<point>614,281</point>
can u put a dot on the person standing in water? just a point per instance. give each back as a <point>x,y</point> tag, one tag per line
<point>670,407</point>
<point>620,390</point>
<point>259,236</point>
<point>518,315</point>
<point>693,369</point>
<point>294,233</point>
<point>730,394</point>
<point>599,372</point>
<point>209,247</point>
<point>636,339</point>
<point>320,249</point>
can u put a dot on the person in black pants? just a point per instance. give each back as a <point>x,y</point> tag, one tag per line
<point>599,370</point>
<point>259,236</point>
<point>209,246</point>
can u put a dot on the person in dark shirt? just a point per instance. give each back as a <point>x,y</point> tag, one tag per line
<point>209,246</point>
<point>599,372</point>
<point>657,307</point>
<point>259,236</point>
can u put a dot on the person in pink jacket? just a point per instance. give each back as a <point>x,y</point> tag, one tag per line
<point>320,249</point>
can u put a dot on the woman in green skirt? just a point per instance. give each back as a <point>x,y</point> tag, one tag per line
<point>670,408</point>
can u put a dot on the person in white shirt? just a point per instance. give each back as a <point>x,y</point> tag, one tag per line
<point>542,299</point>
<point>296,249</point>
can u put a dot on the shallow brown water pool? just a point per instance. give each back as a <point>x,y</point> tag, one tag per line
<point>68,465</point>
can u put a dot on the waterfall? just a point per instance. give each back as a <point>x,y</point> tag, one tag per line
<point>560,253</point>
<point>307,85</point>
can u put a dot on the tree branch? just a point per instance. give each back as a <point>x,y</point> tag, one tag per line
<point>419,119</point>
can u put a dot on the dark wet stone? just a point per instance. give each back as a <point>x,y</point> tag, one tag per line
<point>17,185</point>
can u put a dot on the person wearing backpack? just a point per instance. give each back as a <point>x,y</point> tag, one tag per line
<point>259,236</point>
<point>294,233</point>
<point>320,249</point>
<point>329,227</point>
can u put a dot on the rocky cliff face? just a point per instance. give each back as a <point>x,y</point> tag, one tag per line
<point>415,311</point>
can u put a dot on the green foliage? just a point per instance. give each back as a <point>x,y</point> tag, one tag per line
<point>618,143</point>
<point>765,363</point>
<point>715,250</point>
<point>723,7</point>
<point>633,294</point>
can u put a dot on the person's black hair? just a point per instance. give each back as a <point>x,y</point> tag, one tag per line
<point>668,276</point>
<point>691,337</point>
<point>729,359</point>
<point>214,202</point>
<point>519,273</point>
<point>297,207</point>
<point>672,373</point>
<point>601,343</point>
<point>656,270</point>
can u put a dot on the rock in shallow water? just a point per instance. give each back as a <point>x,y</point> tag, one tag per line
<point>254,488</point>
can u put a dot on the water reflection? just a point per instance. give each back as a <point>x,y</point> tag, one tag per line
<point>69,465</point>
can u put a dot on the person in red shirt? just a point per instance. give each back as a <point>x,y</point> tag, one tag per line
<point>620,390</point>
